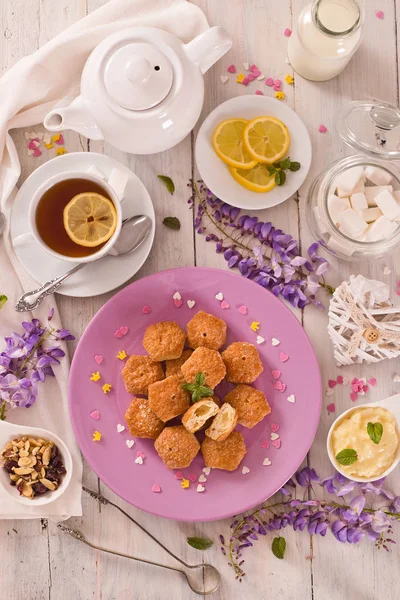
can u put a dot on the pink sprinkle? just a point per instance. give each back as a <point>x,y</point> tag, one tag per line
<point>355,380</point>
<point>178,302</point>
<point>353,396</point>
<point>224,305</point>
<point>265,444</point>
<point>287,32</point>
<point>269,82</point>
<point>60,140</point>
<point>277,88</point>
<point>99,359</point>
<point>146,310</point>
<point>398,293</point>
<point>379,14</point>
<point>276,444</point>
<point>277,82</point>
<point>253,68</point>
<point>259,93</point>
<point>339,379</point>
<point>280,386</point>
<point>251,77</point>
<point>243,310</point>
<point>140,454</point>
<point>322,129</point>
<point>332,383</point>
<point>192,477</point>
<point>284,357</point>
<point>246,81</point>
<point>256,72</point>
<point>365,388</point>
<point>276,374</point>
<point>33,144</point>
<point>179,475</point>
<point>398,283</point>
<point>232,69</point>
<point>372,381</point>
<point>274,427</point>
<point>355,387</point>
<point>331,408</point>
<point>37,152</point>
<point>95,415</point>
<point>156,488</point>
<point>121,332</point>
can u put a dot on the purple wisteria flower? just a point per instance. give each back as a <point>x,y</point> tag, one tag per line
<point>260,251</point>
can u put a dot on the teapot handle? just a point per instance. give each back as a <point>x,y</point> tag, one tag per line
<point>209,47</point>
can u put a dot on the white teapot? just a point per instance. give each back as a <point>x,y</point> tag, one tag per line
<point>142,89</point>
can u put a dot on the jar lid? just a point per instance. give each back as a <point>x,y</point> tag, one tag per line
<point>138,76</point>
<point>373,127</point>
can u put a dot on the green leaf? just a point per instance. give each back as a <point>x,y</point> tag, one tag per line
<point>347,457</point>
<point>279,547</point>
<point>167,181</point>
<point>285,164</point>
<point>375,431</point>
<point>271,169</point>
<point>206,391</point>
<point>189,387</point>
<point>196,396</point>
<point>294,166</point>
<point>199,543</point>
<point>172,223</point>
<point>280,177</point>
<point>277,165</point>
<point>200,378</point>
<point>3,300</point>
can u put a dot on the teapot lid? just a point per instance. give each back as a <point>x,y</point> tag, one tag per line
<point>138,76</point>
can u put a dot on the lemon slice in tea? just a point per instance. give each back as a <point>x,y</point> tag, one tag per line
<point>90,219</point>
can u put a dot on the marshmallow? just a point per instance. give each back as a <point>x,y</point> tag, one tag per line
<point>349,179</point>
<point>371,214</point>
<point>388,205</point>
<point>341,193</point>
<point>379,230</point>
<point>336,206</point>
<point>372,192</point>
<point>351,223</point>
<point>358,201</point>
<point>378,176</point>
<point>95,171</point>
<point>360,187</point>
<point>338,247</point>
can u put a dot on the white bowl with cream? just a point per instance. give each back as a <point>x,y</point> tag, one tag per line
<point>349,431</point>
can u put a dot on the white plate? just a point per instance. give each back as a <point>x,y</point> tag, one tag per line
<point>96,278</point>
<point>216,174</point>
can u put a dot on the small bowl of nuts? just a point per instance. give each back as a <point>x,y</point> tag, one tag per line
<point>35,465</point>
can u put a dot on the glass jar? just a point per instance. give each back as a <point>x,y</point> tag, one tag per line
<point>327,34</point>
<point>373,128</point>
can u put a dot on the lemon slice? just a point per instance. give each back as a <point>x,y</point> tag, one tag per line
<point>257,179</point>
<point>90,219</point>
<point>227,142</point>
<point>267,139</point>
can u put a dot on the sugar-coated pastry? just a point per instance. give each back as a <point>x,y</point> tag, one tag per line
<point>164,341</point>
<point>204,360</point>
<point>206,330</point>
<point>177,447</point>
<point>242,362</point>
<point>251,404</point>
<point>223,424</point>
<point>199,413</point>
<point>139,372</point>
<point>226,455</point>
<point>173,367</point>
<point>167,399</point>
<point>141,420</point>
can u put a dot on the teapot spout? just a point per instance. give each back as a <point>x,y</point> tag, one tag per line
<point>76,116</point>
<point>209,47</point>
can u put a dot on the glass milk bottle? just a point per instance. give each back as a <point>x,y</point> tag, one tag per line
<point>327,35</point>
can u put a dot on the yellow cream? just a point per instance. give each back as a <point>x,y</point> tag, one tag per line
<point>372,459</point>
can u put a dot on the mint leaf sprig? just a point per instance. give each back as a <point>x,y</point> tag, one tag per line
<point>375,432</point>
<point>200,543</point>
<point>347,457</point>
<point>279,547</point>
<point>198,389</point>
<point>279,169</point>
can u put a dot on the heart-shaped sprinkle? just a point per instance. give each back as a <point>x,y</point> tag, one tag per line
<point>339,379</point>
<point>280,386</point>
<point>130,443</point>
<point>276,374</point>
<point>245,470</point>
<point>191,303</point>
<point>260,339</point>
<point>200,488</point>
<point>396,378</point>
<point>95,415</point>
<point>99,358</point>
<point>202,478</point>
<point>224,78</point>
<point>274,436</point>
<point>139,460</point>
<point>120,428</point>
<point>287,32</point>
<point>329,392</point>
<point>274,427</point>
<point>156,488</point>
<point>291,398</point>
<point>225,305</point>
<point>232,69</point>
<point>219,296</point>
<point>276,444</point>
<point>380,14</point>
<point>269,81</point>
<point>266,462</point>
<point>179,475</point>
<point>322,129</point>
<point>387,271</point>
<point>178,303</point>
<point>243,309</point>
<point>332,383</point>
<point>146,310</point>
<point>177,296</point>
<point>284,357</point>
<point>353,396</point>
<point>265,444</point>
<point>275,342</point>
<point>141,454</point>
<point>207,470</point>
<point>331,407</point>
<point>372,381</point>
<point>192,477</point>
<point>121,332</point>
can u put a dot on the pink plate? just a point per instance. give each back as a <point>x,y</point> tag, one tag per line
<point>225,494</point>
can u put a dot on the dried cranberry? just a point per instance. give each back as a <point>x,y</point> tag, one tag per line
<point>55,461</point>
<point>52,475</point>
<point>13,483</point>
<point>54,453</point>
<point>61,470</point>
<point>9,465</point>
<point>39,488</point>
<point>19,487</point>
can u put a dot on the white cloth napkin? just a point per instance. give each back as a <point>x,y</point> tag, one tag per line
<point>27,92</point>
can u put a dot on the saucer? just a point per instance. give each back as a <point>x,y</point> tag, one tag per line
<point>107,273</point>
<point>215,173</point>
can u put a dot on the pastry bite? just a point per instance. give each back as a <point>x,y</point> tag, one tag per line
<point>243,363</point>
<point>226,455</point>
<point>251,405</point>
<point>177,447</point>
<point>141,420</point>
<point>206,330</point>
<point>167,399</point>
<point>199,413</point>
<point>223,424</point>
<point>173,367</point>
<point>139,372</point>
<point>164,340</point>
<point>209,362</point>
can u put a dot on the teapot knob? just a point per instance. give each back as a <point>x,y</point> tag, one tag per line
<point>138,70</point>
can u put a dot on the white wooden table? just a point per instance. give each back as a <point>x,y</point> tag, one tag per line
<point>37,562</point>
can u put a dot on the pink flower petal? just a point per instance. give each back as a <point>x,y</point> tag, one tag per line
<point>287,32</point>
<point>379,14</point>
<point>339,379</point>
<point>331,407</point>
<point>372,381</point>
<point>322,129</point>
<point>276,374</point>
<point>353,396</point>
<point>232,69</point>
<point>332,383</point>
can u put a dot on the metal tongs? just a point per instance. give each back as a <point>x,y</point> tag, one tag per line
<point>203,579</point>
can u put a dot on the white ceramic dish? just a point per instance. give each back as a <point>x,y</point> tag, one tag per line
<point>216,174</point>
<point>9,431</point>
<point>99,277</point>
<point>391,404</point>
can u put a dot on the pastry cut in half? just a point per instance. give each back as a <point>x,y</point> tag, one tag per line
<point>223,424</point>
<point>199,413</point>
